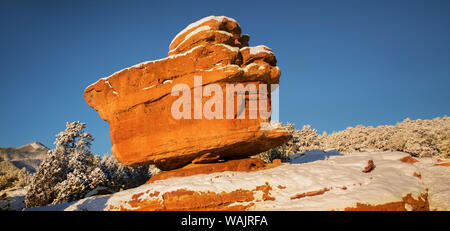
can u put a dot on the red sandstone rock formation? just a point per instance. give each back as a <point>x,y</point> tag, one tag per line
<point>241,165</point>
<point>419,204</point>
<point>408,160</point>
<point>137,101</point>
<point>370,166</point>
<point>443,164</point>
<point>310,194</point>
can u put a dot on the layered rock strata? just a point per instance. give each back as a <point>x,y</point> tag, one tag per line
<point>137,102</point>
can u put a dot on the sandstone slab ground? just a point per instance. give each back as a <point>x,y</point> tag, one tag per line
<point>317,180</point>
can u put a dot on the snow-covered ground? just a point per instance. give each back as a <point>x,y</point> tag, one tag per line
<point>314,180</point>
<point>12,199</point>
<point>437,179</point>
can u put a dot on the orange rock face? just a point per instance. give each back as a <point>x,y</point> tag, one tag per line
<point>370,166</point>
<point>138,101</point>
<point>443,164</point>
<point>241,165</point>
<point>310,194</point>
<point>408,160</point>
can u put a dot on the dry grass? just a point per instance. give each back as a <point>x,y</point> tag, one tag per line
<point>9,174</point>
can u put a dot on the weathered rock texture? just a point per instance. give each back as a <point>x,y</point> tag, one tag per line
<point>241,165</point>
<point>137,101</point>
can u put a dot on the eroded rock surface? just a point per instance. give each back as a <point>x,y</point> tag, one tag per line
<point>137,101</point>
<point>240,165</point>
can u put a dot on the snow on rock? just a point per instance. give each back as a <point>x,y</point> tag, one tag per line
<point>141,65</point>
<point>232,49</point>
<point>132,98</point>
<point>212,29</point>
<point>199,30</point>
<point>321,181</point>
<point>149,87</point>
<point>436,178</point>
<point>194,32</point>
<point>200,22</point>
<point>258,49</point>
<point>251,65</point>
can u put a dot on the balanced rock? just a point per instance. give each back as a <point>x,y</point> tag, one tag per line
<point>138,102</point>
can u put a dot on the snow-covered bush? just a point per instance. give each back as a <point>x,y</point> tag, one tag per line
<point>420,138</point>
<point>444,147</point>
<point>70,171</point>
<point>8,174</point>
<point>283,151</point>
<point>24,178</point>
<point>120,176</point>
<point>11,176</point>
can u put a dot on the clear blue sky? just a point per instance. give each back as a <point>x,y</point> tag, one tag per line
<point>343,63</point>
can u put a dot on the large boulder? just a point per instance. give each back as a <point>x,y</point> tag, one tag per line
<point>137,101</point>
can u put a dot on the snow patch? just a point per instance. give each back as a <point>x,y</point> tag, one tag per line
<point>147,62</point>
<point>194,32</point>
<point>258,49</point>
<point>109,84</point>
<point>250,66</point>
<point>198,30</point>
<point>219,66</point>
<point>233,49</point>
<point>272,125</point>
<point>436,178</point>
<point>146,88</point>
<point>201,21</point>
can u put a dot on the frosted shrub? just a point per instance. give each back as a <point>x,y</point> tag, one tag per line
<point>8,174</point>
<point>420,138</point>
<point>120,176</point>
<point>301,141</point>
<point>305,139</point>
<point>24,178</point>
<point>11,176</point>
<point>70,171</point>
<point>279,152</point>
<point>444,147</point>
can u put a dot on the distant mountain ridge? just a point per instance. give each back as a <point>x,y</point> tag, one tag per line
<point>29,155</point>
